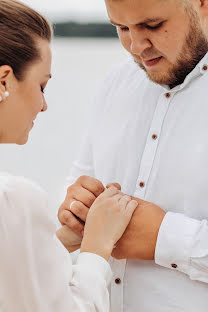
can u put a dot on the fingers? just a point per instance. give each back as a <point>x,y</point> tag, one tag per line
<point>73,248</point>
<point>72,203</point>
<point>80,197</point>
<point>117,197</point>
<point>68,237</point>
<point>111,191</point>
<point>131,206</point>
<point>79,194</point>
<point>117,185</point>
<point>66,217</point>
<point>79,209</point>
<point>123,202</point>
<point>91,184</point>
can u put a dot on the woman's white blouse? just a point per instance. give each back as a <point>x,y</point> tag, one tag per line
<point>36,273</point>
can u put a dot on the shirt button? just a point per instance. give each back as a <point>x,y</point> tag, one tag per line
<point>167,95</point>
<point>174,266</point>
<point>154,136</point>
<point>141,184</point>
<point>117,281</point>
<point>205,67</point>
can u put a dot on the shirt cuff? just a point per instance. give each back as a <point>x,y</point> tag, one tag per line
<point>95,263</point>
<point>174,242</point>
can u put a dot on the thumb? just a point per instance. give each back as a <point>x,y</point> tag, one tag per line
<point>117,185</point>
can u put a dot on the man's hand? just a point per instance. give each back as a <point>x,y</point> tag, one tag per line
<point>68,238</point>
<point>140,237</point>
<point>80,196</point>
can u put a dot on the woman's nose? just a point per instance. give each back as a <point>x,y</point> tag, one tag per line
<point>45,106</point>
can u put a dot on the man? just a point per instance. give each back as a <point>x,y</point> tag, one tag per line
<point>149,132</point>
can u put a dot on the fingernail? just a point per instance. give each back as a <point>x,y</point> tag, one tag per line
<point>0,98</point>
<point>128,197</point>
<point>6,93</point>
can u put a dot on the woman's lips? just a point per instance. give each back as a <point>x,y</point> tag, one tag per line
<point>33,122</point>
<point>152,62</point>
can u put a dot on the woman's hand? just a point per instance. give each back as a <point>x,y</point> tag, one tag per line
<point>106,222</point>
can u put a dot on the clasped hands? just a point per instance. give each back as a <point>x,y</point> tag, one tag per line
<point>139,239</point>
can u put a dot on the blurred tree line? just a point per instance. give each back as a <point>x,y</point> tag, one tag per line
<point>73,29</point>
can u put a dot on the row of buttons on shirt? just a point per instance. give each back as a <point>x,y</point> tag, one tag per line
<point>154,137</point>
<point>142,184</point>
<point>118,280</point>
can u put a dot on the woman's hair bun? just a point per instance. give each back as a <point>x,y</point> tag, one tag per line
<point>20,27</point>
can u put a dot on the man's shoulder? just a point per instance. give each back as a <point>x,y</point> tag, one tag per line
<point>122,84</point>
<point>123,76</point>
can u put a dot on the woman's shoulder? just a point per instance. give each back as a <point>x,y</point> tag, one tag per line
<point>20,188</point>
<point>23,201</point>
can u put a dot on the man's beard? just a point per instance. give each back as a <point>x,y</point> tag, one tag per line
<point>194,49</point>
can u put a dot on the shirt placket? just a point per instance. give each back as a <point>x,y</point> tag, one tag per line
<point>152,144</point>
<point>118,268</point>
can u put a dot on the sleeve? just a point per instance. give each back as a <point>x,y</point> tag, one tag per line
<point>84,161</point>
<point>182,245</point>
<point>83,164</point>
<point>36,270</point>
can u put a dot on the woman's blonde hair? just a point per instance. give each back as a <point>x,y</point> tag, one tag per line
<point>20,27</point>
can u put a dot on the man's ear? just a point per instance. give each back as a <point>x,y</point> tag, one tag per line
<point>6,74</point>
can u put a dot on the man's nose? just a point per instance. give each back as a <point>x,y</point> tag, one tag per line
<point>139,42</point>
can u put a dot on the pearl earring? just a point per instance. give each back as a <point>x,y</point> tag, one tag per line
<point>6,93</point>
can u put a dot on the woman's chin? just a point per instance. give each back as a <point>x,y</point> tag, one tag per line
<point>18,141</point>
<point>22,141</point>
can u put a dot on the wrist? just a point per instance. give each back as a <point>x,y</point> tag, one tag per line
<point>103,250</point>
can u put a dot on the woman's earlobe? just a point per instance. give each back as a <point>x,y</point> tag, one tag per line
<point>6,94</point>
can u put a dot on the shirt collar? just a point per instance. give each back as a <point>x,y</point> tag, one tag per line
<point>200,69</point>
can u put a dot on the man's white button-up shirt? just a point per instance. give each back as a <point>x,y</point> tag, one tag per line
<point>154,142</point>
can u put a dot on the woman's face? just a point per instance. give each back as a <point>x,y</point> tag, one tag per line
<point>26,98</point>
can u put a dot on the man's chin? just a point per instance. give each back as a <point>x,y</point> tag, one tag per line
<point>155,75</point>
<point>139,63</point>
<point>158,78</point>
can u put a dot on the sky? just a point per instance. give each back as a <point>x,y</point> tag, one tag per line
<point>88,10</point>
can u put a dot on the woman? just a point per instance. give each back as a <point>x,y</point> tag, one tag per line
<point>36,273</point>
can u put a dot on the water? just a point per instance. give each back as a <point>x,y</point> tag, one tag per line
<point>78,68</point>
